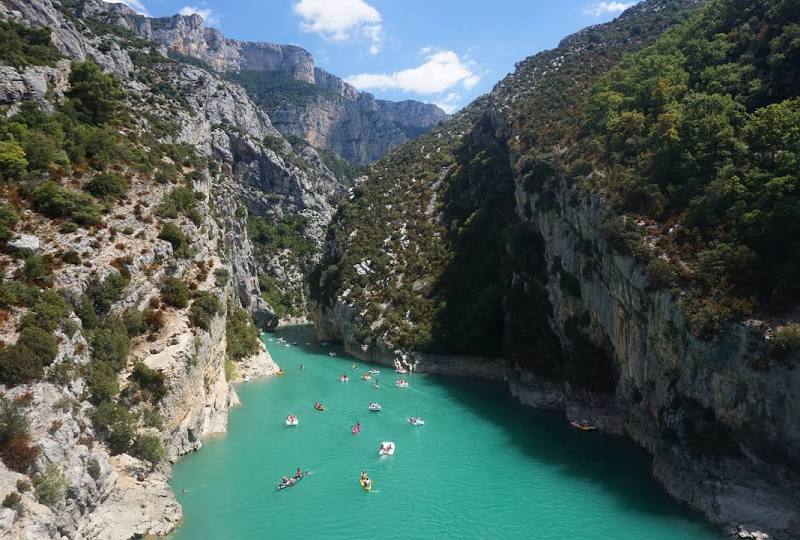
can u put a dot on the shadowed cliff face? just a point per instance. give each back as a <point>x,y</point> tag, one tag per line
<point>301,99</point>
<point>493,238</point>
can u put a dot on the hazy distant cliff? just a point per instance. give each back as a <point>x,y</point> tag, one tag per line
<point>302,100</point>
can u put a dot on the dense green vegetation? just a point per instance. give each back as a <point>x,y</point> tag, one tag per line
<point>274,90</point>
<point>241,334</point>
<point>699,134</point>
<point>22,45</point>
<point>270,239</point>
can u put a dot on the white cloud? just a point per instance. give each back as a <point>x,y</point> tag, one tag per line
<point>601,8</point>
<point>449,103</point>
<point>208,16</point>
<point>135,5</point>
<point>442,71</point>
<point>341,20</point>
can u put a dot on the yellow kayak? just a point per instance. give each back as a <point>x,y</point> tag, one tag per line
<point>366,485</point>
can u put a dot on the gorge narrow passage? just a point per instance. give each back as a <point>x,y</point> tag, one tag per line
<point>481,467</point>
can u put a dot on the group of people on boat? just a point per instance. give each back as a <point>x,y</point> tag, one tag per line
<point>289,482</point>
<point>343,377</point>
<point>319,406</point>
<point>401,383</point>
<point>365,481</point>
<point>292,420</point>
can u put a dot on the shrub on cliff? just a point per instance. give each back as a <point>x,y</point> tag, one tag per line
<point>8,220</point>
<point>205,307</point>
<point>241,334</point>
<point>116,424</point>
<point>56,202</point>
<point>785,341</point>
<point>108,186</point>
<point>174,293</point>
<point>21,45</point>
<point>110,343</point>
<point>25,360</point>
<point>103,294</point>
<point>47,312</point>
<point>50,485</point>
<point>150,381</point>
<point>177,239</point>
<point>102,382</point>
<point>148,447</point>
<point>94,95</point>
<point>15,448</point>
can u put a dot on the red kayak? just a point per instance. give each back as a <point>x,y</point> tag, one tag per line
<point>356,429</point>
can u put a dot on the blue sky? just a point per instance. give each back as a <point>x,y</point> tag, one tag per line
<point>439,51</point>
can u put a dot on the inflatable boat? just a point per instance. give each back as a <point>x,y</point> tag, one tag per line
<point>386,448</point>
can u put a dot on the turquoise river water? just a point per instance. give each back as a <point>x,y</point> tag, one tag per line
<point>481,467</point>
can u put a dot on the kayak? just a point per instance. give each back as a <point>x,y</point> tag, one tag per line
<point>366,485</point>
<point>583,425</point>
<point>374,371</point>
<point>292,481</point>
<point>355,430</point>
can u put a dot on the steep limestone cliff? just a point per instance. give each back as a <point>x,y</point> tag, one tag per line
<point>137,242</point>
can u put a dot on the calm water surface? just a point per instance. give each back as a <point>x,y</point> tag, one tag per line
<point>481,467</point>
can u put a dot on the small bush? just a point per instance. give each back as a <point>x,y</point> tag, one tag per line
<point>50,485</point>
<point>47,312</point>
<point>230,370</point>
<point>35,270</point>
<point>149,448</point>
<point>12,500</point>
<point>134,322</point>
<point>109,186</point>
<point>660,273</point>
<point>174,235</point>
<point>110,343</point>
<point>116,424</point>
<point>93,468</point>
<point>8,219</point>
<point>149,380</point>
<point>785,342</point>
<point>221,277</point>
<point>25,360</point>
<point>16,293</point>
<point>19,454</point>
<point>152,418</point>
<point>179,201</point>
<point>104,294</point>
<point>204,308</point>
<point>56,202</point>
<point>174,293</point>
<point>40,342</point>
<point>101,380</point>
